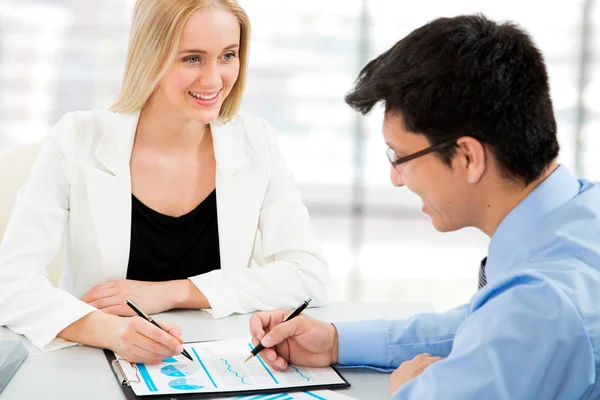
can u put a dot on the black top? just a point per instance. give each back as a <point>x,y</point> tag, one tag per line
<point>165,248</point>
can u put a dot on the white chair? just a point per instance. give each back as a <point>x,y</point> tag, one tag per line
<point>15,165</point>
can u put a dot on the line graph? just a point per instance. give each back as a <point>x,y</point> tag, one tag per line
<point>300,373</point>
<point>221,366</point>
<point>234,372</point>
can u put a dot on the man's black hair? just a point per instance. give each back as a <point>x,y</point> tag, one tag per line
<point>468,76</point>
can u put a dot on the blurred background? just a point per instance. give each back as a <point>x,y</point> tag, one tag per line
<point>58,56</point>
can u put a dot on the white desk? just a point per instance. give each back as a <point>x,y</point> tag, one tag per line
<point>83,372</point>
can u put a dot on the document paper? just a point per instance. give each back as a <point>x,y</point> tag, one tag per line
<point>307,395</point>
<point>219,367</point>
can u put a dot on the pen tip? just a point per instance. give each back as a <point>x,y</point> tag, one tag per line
<point>247,358</point>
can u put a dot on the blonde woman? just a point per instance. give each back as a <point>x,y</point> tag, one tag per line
<point>171,198</point>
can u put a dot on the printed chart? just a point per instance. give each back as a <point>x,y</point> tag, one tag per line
<point>308,395</point>
<point>219,367</point>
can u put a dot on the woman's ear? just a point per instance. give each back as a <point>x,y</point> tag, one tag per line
<point>471,156</point>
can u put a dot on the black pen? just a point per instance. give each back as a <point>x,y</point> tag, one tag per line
<point>148,318</point>
<point>259,347</point>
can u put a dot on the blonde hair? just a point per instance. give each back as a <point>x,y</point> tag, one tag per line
<point>156,29</point>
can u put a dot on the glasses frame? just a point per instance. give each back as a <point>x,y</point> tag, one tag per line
<point>395,160</point>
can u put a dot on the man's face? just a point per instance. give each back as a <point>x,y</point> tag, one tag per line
<point>443,189</point>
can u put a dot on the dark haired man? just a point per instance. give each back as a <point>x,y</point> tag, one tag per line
<point>471,130</point>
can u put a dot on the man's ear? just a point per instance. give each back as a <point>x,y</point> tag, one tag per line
<point>471,156</point>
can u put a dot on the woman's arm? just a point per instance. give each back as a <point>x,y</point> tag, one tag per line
<point>294,268</point>
<point>291,270</point>
<point>29,304</point>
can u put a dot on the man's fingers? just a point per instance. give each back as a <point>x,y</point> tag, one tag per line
<point>279,364</point>
<point>282,331</point>
<point>258,324</point>
<point>428,360</point>
<point>271,357</point>
<point>422,357</point>
<point>277,316</point>
<point>433,360</point>
<point>424,364</point>
<point>269,354</point>
<point>262,322</point>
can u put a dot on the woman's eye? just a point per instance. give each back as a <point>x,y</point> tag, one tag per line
<point>228,56</point>
<point>192,59</point>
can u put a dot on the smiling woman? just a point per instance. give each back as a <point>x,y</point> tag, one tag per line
<point>201,31</point>
<point>171,198</point>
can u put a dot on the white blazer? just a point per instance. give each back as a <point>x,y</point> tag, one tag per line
<point>81,181</point>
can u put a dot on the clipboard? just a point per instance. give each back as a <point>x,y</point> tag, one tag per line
<point>124,378</point>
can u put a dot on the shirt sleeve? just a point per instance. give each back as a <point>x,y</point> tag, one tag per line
<point>392,342</point>
<point>526,341</point>
<point>29,304</point>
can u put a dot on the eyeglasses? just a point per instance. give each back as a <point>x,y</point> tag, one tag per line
<point>395,160</point>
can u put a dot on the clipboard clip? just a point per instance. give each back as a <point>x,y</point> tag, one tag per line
<point>125,375</point>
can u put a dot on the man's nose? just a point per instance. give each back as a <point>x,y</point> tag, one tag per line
<point>396,177</point>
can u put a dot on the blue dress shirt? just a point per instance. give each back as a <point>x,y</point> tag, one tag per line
<point>533,332</point>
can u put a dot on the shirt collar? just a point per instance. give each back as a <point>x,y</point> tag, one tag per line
<point>558,188</point>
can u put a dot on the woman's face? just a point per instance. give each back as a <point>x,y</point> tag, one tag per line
<point>206,67</point>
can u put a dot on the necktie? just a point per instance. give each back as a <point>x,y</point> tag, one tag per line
<point>482,278</point>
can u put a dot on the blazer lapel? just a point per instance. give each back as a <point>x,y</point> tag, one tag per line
<point>241,186</point>
<point>108,185</point>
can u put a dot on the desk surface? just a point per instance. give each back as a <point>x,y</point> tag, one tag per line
<point>83,373</point>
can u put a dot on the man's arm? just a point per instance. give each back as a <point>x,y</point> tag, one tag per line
<point>526,342</point>
<point>384,344</point>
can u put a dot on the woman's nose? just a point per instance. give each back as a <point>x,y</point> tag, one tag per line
<point>210,75</point>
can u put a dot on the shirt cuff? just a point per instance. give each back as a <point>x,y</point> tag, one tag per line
<point>213,286</point>
<point>362,344</point>
<point>70,313</point>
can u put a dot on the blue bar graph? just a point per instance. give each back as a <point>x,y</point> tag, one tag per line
<point>146,376</point>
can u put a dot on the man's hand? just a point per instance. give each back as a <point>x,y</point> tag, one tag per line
<point>110,297</point>
<point>302,341</point>
<point>409,370</point>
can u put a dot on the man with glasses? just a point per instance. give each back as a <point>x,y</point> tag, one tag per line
<point>471,130</point>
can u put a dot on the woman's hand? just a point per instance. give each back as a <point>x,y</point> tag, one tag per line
<point>110,297</point>
<point>137,340</point>
<point>133,339</point>
<point>152,297</point>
